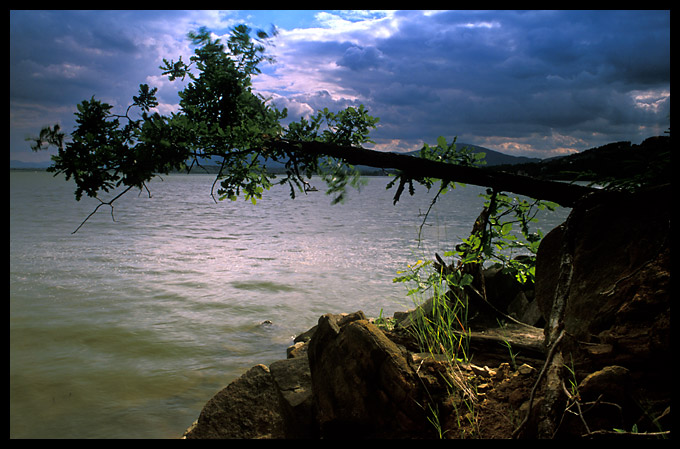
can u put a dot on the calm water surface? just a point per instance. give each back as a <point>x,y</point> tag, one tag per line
<point>127,328</point>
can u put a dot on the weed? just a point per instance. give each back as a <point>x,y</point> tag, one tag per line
<point>439,326</point>
<point>513,355</point>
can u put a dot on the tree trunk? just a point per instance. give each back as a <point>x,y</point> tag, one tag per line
<point>414,167</point>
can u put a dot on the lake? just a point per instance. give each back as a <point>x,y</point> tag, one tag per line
<point>128,327</point>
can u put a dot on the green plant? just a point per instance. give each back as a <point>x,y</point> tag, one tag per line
<point>506,343</point>
<point>496,241</point>
<point>463,398</point>
<point>440,324</point>
<point>433,418</point>
<point>383,322</point>
<point>573,383</point>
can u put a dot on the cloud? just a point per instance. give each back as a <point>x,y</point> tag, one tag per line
<point>360,58</point>
<point>59,58</point>
<point>531,82</point>
<point>522,75</point>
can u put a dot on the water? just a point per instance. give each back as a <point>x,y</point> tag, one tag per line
<point>127,328</point>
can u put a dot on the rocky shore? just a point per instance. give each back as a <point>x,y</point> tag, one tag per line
<point>585,356</point>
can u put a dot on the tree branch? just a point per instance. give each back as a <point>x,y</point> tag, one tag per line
<point>414,167</point>
<point>102,203</point>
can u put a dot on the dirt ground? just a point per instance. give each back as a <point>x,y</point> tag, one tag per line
<point>502,401</point>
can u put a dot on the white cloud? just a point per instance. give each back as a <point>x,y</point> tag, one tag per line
<point>308,59</point>
<point>651,100</point>
<point>363,29</point>
<point>296,107</point>
<point>64,70</point>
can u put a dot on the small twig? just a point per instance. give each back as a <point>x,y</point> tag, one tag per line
<point>429,209</point>
<point>578,406</point>
<point>623,434</point>
<point>212,188</point>
<point>108,203</point>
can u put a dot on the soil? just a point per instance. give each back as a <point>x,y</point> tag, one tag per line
<point>502,404</point>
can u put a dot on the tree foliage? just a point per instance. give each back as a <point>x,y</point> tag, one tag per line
<point>221,118</point>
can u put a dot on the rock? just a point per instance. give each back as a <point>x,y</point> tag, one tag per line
<point>501,288</point>
<point>293,379</point>
<point>300,344</point>
<point>617,307</point>
<point>297,350</point>
<point>529,313</point>
<point>611,383</point>
<point>363,385</point>
<point>525,311</point>
<point>618,242</point>
<point>305,336</point>
<point>526,370</point>
<point>264,403</point>
<point>605,403</point>
<point>406,320</point>
<point>249,407</point>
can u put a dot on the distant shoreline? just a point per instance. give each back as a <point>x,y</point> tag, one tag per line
<point>209,170</point>
<point>27,169</point>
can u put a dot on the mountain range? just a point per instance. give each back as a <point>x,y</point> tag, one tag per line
<point>648,160</point>
<point>611,160</point>
<point>493,158</point>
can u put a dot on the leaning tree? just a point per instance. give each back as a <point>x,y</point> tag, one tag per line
<point>223,120</point>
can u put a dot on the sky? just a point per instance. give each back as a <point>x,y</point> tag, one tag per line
<point>526,83</point>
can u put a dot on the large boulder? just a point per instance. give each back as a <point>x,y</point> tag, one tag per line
<point>619,296</point>
<point>614,308</point>
<point>510,297</point>
<point>349,381</point>
<point>264,403</point>
<point>363,383</point>
<point>293,380</point>
<point>247,408</point>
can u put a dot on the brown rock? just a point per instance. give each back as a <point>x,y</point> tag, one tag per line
<point>363,384</point>
<point>293,380</point>
<point>617,310</point>
<point>611,383</point>
<point>617,240</point>
<point>247,408</point>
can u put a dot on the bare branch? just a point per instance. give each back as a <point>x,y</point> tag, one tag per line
<point>107,203</point>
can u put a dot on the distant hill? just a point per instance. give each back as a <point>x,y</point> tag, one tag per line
<point>611,160</point>
<point>493,157</point>
<point>20,165</point>
<point>618,160</point>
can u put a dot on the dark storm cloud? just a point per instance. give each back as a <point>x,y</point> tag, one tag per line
<point>588,76</point>
<point>527,82</point>
<point>360,58</point>
<point>59,58</point>
<point>109,49</point>
<point>497,73</point>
